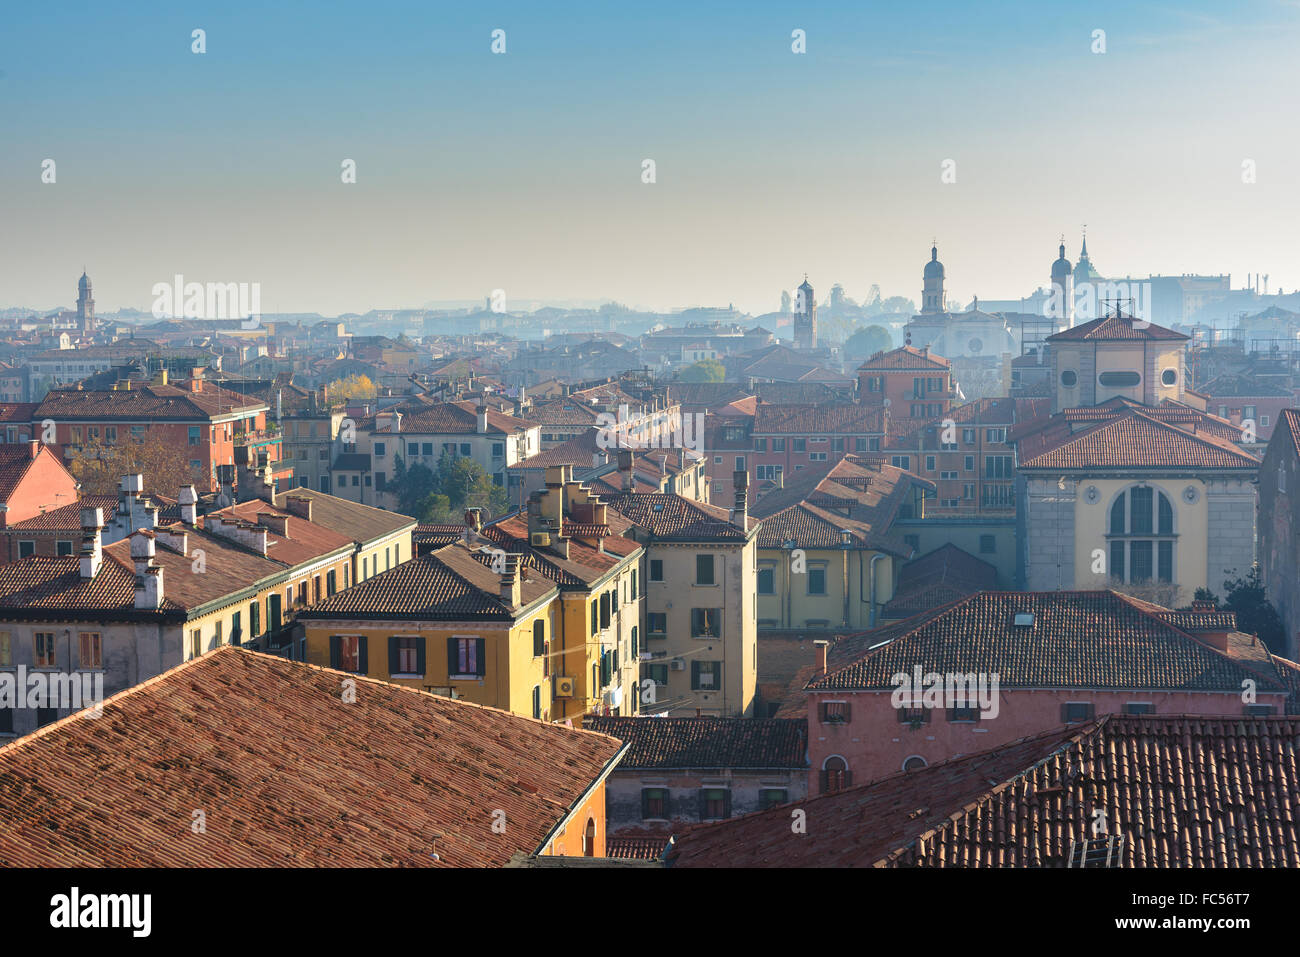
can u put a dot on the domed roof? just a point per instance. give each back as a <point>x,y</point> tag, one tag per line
<point>805,284</point>
<point>1062,265</point>
<point>83,284</point>
<point>934,268</point>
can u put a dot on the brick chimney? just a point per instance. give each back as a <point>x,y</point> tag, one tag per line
<point>92,552</point>
<point>298,505</point>
<point>625,470</point>
<point>821,645</point>
<point>276,523</point>
<point>34,448</point>
<point>148,575</point>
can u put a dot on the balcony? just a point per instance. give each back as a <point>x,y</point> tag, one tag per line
<point>257,437</point>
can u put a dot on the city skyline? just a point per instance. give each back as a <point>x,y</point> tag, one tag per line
<point>522,171</point>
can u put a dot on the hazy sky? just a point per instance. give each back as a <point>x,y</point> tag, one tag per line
<point>522,171</point>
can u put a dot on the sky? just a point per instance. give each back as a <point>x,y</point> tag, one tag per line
<point>523,171</point>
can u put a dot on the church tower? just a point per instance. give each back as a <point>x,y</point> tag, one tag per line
<point>1061,304</point>
<point>932,291</point>
<point>805,317</point>
<point>85,300</point>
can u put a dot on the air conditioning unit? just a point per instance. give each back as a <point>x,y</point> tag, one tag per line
<point>564,685</point>
<point>540,539</point>
<point>678,665</point>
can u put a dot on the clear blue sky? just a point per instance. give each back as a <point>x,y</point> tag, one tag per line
<point>522,171</point>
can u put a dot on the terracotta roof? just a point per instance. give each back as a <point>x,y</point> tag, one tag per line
<point>1097,639</point>
<point>360,523</point>
<point>936,578</point>
<point>67,518</point>
<point>38,588</point>
<point>1291,420</point>
<point>18,411</point>
<point>460,418</point>
<point>1241,386</point>
<point>670,517</point>
<point>146,402</point>
<point>1132,440</point>
<point>387,780</point>
<point>1115,327</point>
<point>734,743</point>
<point>437,535</point>
<point>1183,791</point>
<point>305,541</point>
<point>564,412</point>
<point>635,847</point>
<point>444,585</point>
<point>905,357</point>
<point>800,420</point>
<point>586,563</point>
<point>858,826</point>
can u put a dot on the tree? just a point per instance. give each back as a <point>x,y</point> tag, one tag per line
<point>352,387</point>
<point>786,302</point>
<point>99,464</point>
<point>868,340</point>
<point>894,305</point>
<point>1247,599</point>
<point>706,370</point>
<point>412,486</point>
<point>440,496</point>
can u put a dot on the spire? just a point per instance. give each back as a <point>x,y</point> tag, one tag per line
<point>1083,254</point>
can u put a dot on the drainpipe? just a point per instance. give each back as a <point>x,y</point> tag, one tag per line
<point>874,558</point>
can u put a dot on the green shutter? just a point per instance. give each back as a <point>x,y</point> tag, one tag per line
<point>480,660</point>
<point>419,655</point>
<point>336,651</point>
<point>451,657</point>
<point>363,666</point>
<point>393,655</point>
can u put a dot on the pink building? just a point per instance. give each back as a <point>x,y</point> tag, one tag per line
<point>1038,660</point>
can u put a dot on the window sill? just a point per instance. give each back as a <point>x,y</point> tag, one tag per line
<point>405,674</point>
<point>465,677</point>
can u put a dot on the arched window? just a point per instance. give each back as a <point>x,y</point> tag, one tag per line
<point>835,774</point>
<point>914,763</point>
<point>1141,534</point>
<point>589,838</point>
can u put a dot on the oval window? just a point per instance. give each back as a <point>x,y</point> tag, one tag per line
<point>1069,379</point>
<point>1169,377</point>
<point>1120,379</point>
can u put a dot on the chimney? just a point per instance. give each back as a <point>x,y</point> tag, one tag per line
<point>189,502</point>
<point>148,576</point>
<point>740,514</point>
<point>821,644</point>
<point>625,469</point>
<point>299,505</point>
<point>92,553</point>
<point>34,448</point>
<point>178,542</point>
<point>481,415</point>
<point>510,582</point>
<point>276,523</point>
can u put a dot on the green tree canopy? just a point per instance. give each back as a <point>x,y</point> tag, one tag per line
<point>706,370</point>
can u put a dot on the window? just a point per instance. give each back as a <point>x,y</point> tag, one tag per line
<point>998,466</point>
<point>92,652</point>
<point>196,642</point>
<point>706,675</point>
<point>654,804</point>
<point>633,591</point>
<point>1076,711</point>
<point>656,624</point>
<point>968,491</point>
<point>595,615</point>
<point>1169,377</point>
<point>988,545</point>
<point>837,445</point>
<point>969,463</point>
<point>1139,707</point>
<point>195,436</point>
<point>948,476</point>
<point>704,570</point>
<point>835,775</point>
<point>706,622</point>
<point>537,702</point>
<point>1258,710</point>
<point>767,579</point>
<point>772,797</point>
<point>740,463</point>
<point>859,445</point>
<point>914,763</point>
<point>1069,378</point>
<point>236,633</point>
<point>539,638</point>
<point>715,804</point>
<point>465,658</point>
<point>26,549</point>
<point>498,449</point>
<point>427,448</point>
<point>656,569</point>
<point>405,655</point>
<point>348,653</point>
<point>798,445</point>
<point>914,716</point>
<point>929,463</point>
<point>658,674</point>
<point>464,449</point>
<point>835,712</point>
<point>381,450</point>
<point>1141,533</point>
<point>963,715</point>
<point>6,650</point>
<point>1119,380</point>
<point>110,433</point>
<point>43,649</point>
<point>903,462</point>
<point>817,578</point>
<point>778,445</point>
<point>604,610</point>
<point>769,473</point>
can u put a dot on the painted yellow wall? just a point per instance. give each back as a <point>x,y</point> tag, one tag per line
<point>1191,528</point>
<point>804,607</point>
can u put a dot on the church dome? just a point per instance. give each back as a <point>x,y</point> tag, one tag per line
<point>1061,267</point>
<point>934,268</point>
